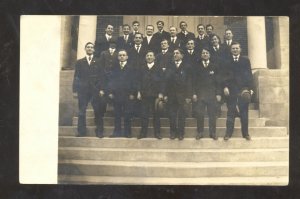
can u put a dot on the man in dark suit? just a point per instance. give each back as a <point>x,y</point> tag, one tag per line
<point>102,43</point>
<point>150,88</point>
<point>161,33</point>
<point>217,51</point>
<point>228,40</point>
<point>88,86</point>
<point>150,41</point>
<point>209,30</point>
<point>191,56</point>
<point>206,93</point>
<point>240,79</point>
<point>125,41</point>
<point>184,35</point>
<point>135,27</point>
<point>174,42</point>
<point>202,40</point>
<point>177,94</point>
<point>137,52</point>
<point>122,91</point>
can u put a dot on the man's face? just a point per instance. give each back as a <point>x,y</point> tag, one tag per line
<point>149,30</point>
<point>164,45</point>
<point>173,31</point>
<point>160,26</point>
<point>150,57</point>
<point>126,30</point>
<point>183,26</point>
<point>236,49</point>
<point>135,26</point>
<point>201,30</point>
<point>177,55</point>
<point>209,30</point>
<point>205,55</point>
<point>89,49</point>
<point>109,30</point>
<point>190,45</point>
<point>215,41</point>
<point>228,35</point>
<point>122,56</point>
<point>138,39</point>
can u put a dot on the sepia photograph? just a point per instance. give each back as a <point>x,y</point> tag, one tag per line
<point>157,100</point>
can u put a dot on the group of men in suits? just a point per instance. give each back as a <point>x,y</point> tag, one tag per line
<point>136,72</point>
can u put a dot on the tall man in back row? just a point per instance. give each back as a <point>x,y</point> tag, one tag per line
<point>88,86</point>
<point>238,83</point>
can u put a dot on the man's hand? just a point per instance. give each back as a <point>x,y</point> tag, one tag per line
<point>218,98</point>
<point>188,100</point>
<point>139,96</point>
<point>226,91</point>
<point>101,93</point>
<point>131,97</point>
<point>195,98</point>
<point>160,96</point>
<point>75,95</point>
<point>166,98</point>
<point>111,96</point>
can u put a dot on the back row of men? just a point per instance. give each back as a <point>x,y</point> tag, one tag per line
<point>176,79</point>
<point>152,41</point>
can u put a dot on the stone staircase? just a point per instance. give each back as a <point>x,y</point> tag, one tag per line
<point>90,160</point>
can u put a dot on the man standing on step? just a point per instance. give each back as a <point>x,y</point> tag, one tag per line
<point>88,86</point>
<point>238,90</point>
<point>150,88</point>
<point>178,93</point>
<point>122,91</point>
<point>206,93</point>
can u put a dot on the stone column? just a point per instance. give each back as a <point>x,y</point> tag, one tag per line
<point>281,40</point>
<point>87,33</point>
<point>257,50</point>
<point>66,42</point>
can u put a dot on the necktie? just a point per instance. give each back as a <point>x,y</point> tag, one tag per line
<point>126,38</point>
<point>173,40</point>
<point>90,58</point>
<point>205,64</point>
<point>191,52</point>
<point>235,59</point>
<point>122,65</point>
<point>138,48</point>
<point>228,43</point>
<point>177,64</point>
<point>163,51</point>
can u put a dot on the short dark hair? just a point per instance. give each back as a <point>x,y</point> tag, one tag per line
<point>165,40</point>
<point>180,50</point>
<point>138,33</point>
<point>181,23</point>
<point>150,26</point>
<point>205,48</point>
<point>122,50</point>
<point>236,43</point>
<point>151,51</point>
<point>215,35</point>
<point>209,25</point>
<point>160,22</point>
<point>109,25</point>
<point>200,25</point>
<point>134,22</point>
<point>88,44</point>
<point>227,29</point>
<point>124,25</point>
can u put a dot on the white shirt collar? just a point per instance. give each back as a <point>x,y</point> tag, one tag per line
<point>164,51</point>
<point>179,62</point>
<point>150,65</point>
<point>124,63</point>
<point>237,56</point>
<point>207,62</point>
<point>87,57</point>
<point>107,36</point>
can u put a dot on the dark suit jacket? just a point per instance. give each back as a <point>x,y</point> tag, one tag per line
<point>227,49</point>
<point>137,59</point>
<point>107,63</point>
<point>184,38</point>
<point>122,82</point>
<point>239,75</point>
<point>154,44</point>
<point>88,78</point>
<point>200,44</point>
<point>122,44</point>
<point>164,60</point>
<point>178,44</point>
<point>205,81</point>
<point>163,35</point>
<point>219,55</point>
<point>102,44</point>
<point>150,81</point>
<point>178,83</point>
<point>191,59</point>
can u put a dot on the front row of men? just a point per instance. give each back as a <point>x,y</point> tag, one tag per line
<point>179,84</point>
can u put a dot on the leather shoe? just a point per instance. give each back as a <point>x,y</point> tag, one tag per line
<point>199,136</point>
<point>113,136</point>
<point>172,137</point>
<point>100,135</point>
<point>141,136</point>
<point>226,138</point>
<point>158,136</point>
<point>247,137</point>
<point>213,136</point>
<point>128,136</point>
<point>181,137</point>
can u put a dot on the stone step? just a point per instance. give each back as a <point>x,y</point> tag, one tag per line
<point>112,180</point>
<point>189,131</point>
<point>190,122</point>
<point>173,155</point>
<point>252,113</point>
<point>166,143</point>
<point>172,169</point>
